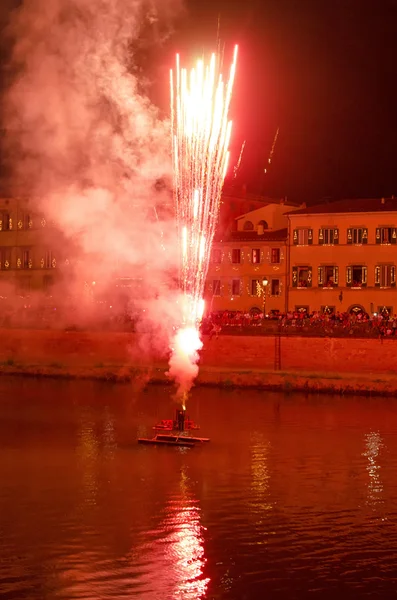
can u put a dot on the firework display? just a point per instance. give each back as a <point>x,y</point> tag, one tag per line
<point>200,101</point>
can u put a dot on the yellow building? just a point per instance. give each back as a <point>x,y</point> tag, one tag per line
<point>31,248</point>
<point>343,256</point>
<point>246,258</point>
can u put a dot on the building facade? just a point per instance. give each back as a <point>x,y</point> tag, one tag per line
<point>252,254</point>
<point>343,257</point>
<point>31,249</point>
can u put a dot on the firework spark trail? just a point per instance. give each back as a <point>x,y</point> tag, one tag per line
<point>236,168</point>
<point>200,101</point>
<point>269,160</point>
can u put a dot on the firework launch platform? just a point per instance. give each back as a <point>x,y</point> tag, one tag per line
<point>182,440</point>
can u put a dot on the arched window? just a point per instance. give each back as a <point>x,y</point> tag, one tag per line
<point>248,226</point>
<point>263,224</point>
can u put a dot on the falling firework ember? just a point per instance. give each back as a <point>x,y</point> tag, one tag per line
<point>200,101</point>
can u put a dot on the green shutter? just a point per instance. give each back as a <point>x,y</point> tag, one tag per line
<point>377,235</point>
<point>377,276</point>
<point>336,276</point>
<point>295,237</point>
<point>321,236</point>
<point>349,274</point>
<point>364,277</point>
<point>294,276</point>
<point>336,236</point>
<point>349,236</point>
<point>365,235</point>
<point>393,276</point>
<point>310,236</point>
<point>310,277</point>
<point>320,276</point>
<point>393,235</point>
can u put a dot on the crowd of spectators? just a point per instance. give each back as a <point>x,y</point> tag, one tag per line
<point>301,322</point>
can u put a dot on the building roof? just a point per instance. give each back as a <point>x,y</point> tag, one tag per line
<point>279,235</point>
<point>353,205</point>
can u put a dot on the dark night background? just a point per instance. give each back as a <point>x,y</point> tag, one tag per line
<point>323,71</point>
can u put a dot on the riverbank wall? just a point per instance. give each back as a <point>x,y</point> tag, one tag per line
<point>338,365</point>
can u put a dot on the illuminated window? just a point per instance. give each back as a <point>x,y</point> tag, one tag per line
<point>236,256</point>
<point>386,235</point>
<point>236,287</point>
<point>275,256</point>
<point>48,258</point>
<point>255,287</point>
<point>5,259</point>
<point>26,259</point>
<point>357,235</point>
<point>328,276</point>
<point>216,287</point>
<point>385,276</point>
<point>356,276</point>
<point>302,237</point>
<point>328,236</point>
<point>275,287</point>
<point>5,221</point>
<point>256,256</point>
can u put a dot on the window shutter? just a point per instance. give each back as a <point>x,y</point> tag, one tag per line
<point>336,276</point>
<point>377,235</point>
<point>295,237</point>
<point>349,276</point>
<point>349,236</point>
<point>320,276</point>
<point>393,276</point>
<point>321,236</point>
<point>377,276</point>
<point>365,277</point>
<point>336,236</point>
<point>365,235</point>
<point>309,277</point>
<point>310,236</point>
<point>294,276</point>
<point>393,235</point>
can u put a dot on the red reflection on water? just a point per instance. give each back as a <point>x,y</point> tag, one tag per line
<point>186,549</point>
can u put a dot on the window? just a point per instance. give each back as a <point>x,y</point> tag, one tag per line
<point>301,277</point>
<point>216,287</point>
<point>48,259</point>
<point>216,256</point>
<point>328,276</point>
<point>386,235</point>
<point>385,311</point>
<point>328,236</point>
<point>303,237</point>
<point>275,256</point>
<point>275,288</point>
<point>248,226</point>
<point>236,287</point>
<point>5,258</point>
<point>356,276</point>
<point>5,221</point>
<point>263,224</point>
<point>236,256</point>
<point>385,276</point>
<point>26,259</point>
<point>357,235</point>
<point>255,287</point>
<point>327,310</point>
<point>256,256</point>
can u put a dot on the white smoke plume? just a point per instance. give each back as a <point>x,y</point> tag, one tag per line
<point>88,145</point>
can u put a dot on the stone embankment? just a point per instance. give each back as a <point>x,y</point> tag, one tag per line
<point>333,365</point>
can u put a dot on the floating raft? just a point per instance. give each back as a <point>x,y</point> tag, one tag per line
<point>173,440</point>
<point>170,425</point>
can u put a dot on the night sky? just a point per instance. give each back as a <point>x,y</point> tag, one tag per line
<point>323,71</point>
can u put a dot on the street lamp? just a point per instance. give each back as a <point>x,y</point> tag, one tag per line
<point>265,282</point>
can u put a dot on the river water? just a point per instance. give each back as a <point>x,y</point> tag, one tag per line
<point>295,497</point>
